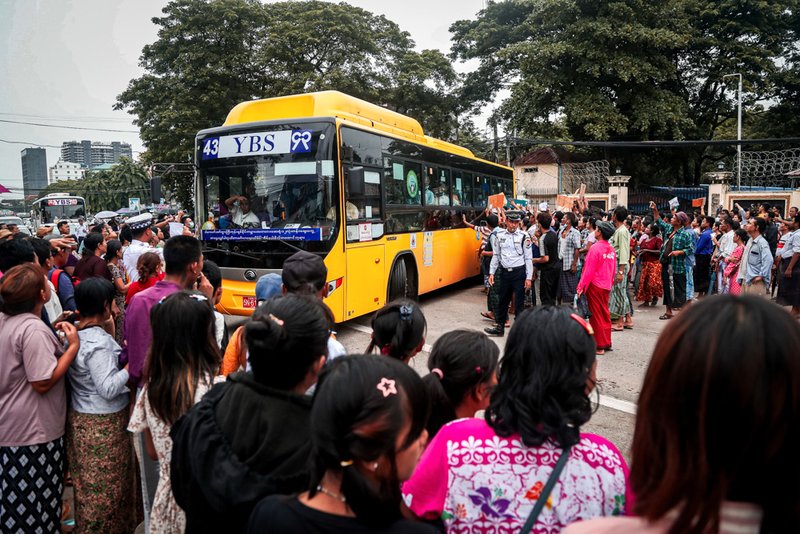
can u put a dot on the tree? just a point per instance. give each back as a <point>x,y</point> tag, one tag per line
<point>625,69</point>
<point>212,54</point>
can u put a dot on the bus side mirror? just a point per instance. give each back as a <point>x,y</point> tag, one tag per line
<point>355,180</point>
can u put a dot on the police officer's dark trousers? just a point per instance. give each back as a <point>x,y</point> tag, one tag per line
<point>513,283</point>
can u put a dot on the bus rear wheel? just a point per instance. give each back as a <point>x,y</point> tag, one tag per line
<point>402,282</point>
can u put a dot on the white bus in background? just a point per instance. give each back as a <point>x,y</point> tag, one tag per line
<point>57,207</point>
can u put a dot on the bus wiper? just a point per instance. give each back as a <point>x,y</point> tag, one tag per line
<point>288,244</point>
<point>230,252</point>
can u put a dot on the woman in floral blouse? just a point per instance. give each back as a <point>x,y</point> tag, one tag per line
<point>486,475</point>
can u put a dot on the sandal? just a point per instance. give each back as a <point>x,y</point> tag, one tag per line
<point>615,329</point>
<point>665,317</point>
<point>488,315</point>
<point>599,352</point>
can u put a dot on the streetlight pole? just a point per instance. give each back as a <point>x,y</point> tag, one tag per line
<point>738,132</point>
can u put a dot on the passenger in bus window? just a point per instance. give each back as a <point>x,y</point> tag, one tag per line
<point>240,214</point>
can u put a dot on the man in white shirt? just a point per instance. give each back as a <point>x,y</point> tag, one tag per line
<point>240,214</point>
<point>142,234</point>
<point>725,248</point>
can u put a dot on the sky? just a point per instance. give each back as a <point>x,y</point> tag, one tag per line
<point>65,62</point>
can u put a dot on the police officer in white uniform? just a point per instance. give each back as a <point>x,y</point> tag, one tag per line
<point>513,256</point>
<point>140,228</point>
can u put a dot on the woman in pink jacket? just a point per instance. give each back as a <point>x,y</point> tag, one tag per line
<point>596,281</point>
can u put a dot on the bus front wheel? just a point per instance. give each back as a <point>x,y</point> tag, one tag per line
<point>403,281</point>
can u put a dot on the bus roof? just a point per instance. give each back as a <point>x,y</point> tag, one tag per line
<point>344,107</point>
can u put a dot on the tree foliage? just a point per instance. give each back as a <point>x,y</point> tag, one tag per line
<point>108,189</point>
<point>628,69</point>
<point>212,54</point>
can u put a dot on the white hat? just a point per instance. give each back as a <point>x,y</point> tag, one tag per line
<point>543,206</point>
<point>140,222</point>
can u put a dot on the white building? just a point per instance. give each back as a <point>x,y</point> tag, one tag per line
<point>65,170</point>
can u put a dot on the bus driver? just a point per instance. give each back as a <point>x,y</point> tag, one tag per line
<point>240,214</point>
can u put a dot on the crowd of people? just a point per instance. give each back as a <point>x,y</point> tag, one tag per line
<point>174,422</point>
<point>601,263</point>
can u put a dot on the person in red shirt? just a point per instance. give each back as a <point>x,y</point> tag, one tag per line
<point>150,272</point>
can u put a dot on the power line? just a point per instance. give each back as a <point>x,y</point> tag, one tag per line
<point>656,144</point>
<point>83,118</point>
<point>26,143</point>
<point>69,127</point>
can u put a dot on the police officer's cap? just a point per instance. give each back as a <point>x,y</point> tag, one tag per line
<point>140,222</point>
<point>514,216</point>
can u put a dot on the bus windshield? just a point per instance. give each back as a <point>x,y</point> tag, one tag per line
<point>248,188</point>
<point>56,209</point>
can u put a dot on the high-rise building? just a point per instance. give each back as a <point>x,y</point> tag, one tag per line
<point>66,170</point>
<point>91,154</point>
<point>34,170</point>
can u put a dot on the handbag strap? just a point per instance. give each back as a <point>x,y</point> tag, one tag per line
<point>548,487</point>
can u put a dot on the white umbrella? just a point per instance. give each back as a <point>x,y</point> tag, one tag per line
<point>105,214</point>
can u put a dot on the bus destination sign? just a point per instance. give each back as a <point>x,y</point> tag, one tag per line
<point>257,143</point>
<point>62,202</point>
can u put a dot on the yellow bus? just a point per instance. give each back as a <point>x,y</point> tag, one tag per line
<point>358,184</point>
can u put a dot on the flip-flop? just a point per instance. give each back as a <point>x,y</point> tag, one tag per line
<point>665,317</point>
<point>613,329</point>
<point>487,315</point>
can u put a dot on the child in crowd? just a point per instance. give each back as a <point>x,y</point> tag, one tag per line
<point>398,330</point>
<point>183,360</point>
<point>150,271</point>
<point>463,373</point>
<point>486,475</point>
<point>718,425</point>
<point>249,437</point>
<point>99,449</point>
<point>367,433</point>
<point>235,357</point>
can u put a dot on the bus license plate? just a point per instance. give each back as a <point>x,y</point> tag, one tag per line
<point>249,302</point>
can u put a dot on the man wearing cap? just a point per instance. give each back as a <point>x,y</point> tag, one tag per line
<point>142,234</point>
<point>513,256</point>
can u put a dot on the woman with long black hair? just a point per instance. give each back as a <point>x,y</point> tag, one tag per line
<point>486,475</point>
<point>183,361</point>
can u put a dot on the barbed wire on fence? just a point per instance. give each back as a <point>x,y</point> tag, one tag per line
<point>592,173</point>
<point>768,168</point>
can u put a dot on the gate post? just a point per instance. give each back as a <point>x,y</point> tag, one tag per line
<point>617,191</point>
<point>718,190</point>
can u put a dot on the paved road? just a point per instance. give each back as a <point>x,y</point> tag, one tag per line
<point>620,372</point>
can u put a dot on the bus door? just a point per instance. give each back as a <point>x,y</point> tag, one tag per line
<point>366,278</point>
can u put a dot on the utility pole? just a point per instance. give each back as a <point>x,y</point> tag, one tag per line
<point>738,132</point>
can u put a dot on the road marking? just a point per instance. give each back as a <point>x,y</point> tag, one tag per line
<point>367,330</point>
<point>609,402</point>
<point>618,404</point>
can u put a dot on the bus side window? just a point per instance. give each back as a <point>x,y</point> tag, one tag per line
<point>363,193</point>
<point>481,191</point>
<point>430,182</point>
<point>462,189</point>
<point>413,178</point>
<point>442,190</point>
<point>508,188</point>
<point>394,184</point>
